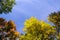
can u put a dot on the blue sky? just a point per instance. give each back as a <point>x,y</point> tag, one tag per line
<point>24,9</point>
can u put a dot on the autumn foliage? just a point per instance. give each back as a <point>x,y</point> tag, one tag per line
<point>37,30</point>
<point>8,30</point>
<point>34,29</point>
<point>40,30</point>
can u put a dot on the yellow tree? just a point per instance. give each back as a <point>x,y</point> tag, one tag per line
<point>37,30</point>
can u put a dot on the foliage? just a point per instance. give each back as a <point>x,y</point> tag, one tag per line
<point>58,36</point>
<point>8,30</point>
<point>6,6</point>
<point>37,30</point>
<point>55,18</point>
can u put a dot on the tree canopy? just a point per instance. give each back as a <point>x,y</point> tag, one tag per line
<point>34,29</point>
<point>8,30</point>
<point>6,6</point>
<point>55,18</point>
<point>37,30</point>
<point>40,30</point>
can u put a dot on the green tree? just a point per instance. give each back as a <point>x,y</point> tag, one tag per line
<point>8,30</point>
<point>6,6</point>
<point>37,30</point>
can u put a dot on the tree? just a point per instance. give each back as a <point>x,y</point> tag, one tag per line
<point>6,6</point>
<point>55,19</point>
<point>37,30</point>
<point>8,30</point>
